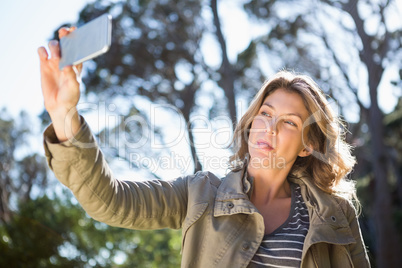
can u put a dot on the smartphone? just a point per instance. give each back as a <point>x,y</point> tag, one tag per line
<point>87,42</point>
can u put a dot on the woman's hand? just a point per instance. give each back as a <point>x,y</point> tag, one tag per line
<point>61,90</point>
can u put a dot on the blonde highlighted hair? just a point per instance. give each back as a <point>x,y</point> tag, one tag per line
<point>331,160</point>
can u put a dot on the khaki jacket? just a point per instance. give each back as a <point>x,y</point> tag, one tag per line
<point>220,226</point>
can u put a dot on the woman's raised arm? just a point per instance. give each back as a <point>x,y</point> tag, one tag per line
<point>60,89</point>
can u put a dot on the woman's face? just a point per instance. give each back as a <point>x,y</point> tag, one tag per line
<point>275,138</point>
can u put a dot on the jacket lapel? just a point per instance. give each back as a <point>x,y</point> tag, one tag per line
<point>328,222</point>
<point>231,197</point>
<point>324,208</point>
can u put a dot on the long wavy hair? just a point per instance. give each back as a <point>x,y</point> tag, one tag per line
<point>331,160</point>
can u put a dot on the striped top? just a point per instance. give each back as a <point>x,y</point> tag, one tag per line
<point>284,246</point>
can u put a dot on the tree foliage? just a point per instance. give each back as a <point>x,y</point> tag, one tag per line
<point>39,228</point>
<point>19,173</point>
<point>48,232</point>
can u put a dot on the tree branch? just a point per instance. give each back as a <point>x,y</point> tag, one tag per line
<point>226,69</point>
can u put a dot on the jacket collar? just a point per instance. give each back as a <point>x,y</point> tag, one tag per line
<point>326,206</point>
<point>326,215</point>
<point>328,222</point>
<point>232,195</point>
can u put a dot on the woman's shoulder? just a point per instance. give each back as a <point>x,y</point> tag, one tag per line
<point>346,204</point>
<point>203,178</point>
<point>201,187</point>
<point>325,203</point>
<point>342,205</point>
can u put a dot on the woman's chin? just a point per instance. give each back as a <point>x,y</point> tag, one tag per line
<point>268,160</point>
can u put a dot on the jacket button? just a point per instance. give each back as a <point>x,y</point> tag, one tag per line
<point>246,246</point>
<point>333,218</point>
<point>230,205</point>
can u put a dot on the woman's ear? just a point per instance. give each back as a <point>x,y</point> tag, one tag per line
<point>306,151</point>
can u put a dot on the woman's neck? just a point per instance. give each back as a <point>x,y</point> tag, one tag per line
<point>269,184</point>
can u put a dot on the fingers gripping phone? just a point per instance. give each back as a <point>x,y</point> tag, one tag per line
<point>87,42</point>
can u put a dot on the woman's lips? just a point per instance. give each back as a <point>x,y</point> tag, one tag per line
<point>264,145</point>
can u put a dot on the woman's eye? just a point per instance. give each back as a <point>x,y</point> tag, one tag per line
<point>291,123</point>
<point>265,114</point>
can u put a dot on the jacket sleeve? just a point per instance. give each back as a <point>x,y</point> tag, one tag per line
<point>357,250</point>
<point>80,165</point>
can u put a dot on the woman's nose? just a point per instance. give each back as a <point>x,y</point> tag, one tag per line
<point>271,127</point>
<point>271,132</point>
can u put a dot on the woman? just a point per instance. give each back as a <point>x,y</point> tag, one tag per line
<point>286,202</point>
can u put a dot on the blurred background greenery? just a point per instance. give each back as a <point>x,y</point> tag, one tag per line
<point>175,54</point>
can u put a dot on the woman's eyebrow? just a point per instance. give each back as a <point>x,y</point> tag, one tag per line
<point>288,114</point>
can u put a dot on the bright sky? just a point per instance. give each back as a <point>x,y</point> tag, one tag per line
<point>24,26</point>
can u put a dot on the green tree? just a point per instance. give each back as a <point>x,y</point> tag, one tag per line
<point>43,226</point>
<point>18,173</point>
<point>46,232</point>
